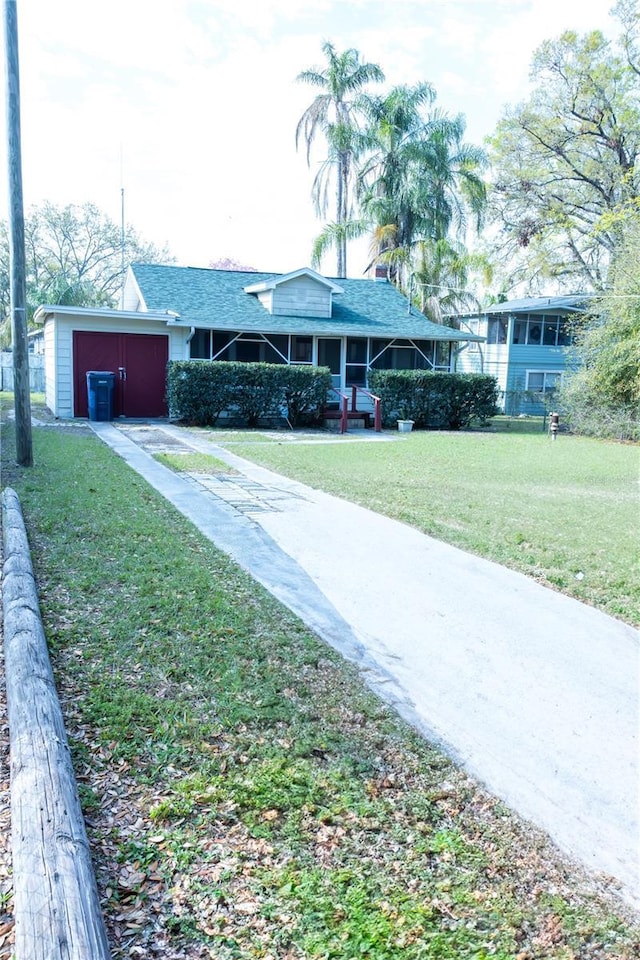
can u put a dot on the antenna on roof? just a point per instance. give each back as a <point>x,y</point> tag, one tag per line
<point>122,231</point>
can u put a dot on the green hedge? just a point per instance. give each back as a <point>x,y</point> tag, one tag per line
<point>304,392</point>
<point>198,391</point>
<point>439,401</point>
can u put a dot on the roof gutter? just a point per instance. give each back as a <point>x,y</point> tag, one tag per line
<point>46,310</point>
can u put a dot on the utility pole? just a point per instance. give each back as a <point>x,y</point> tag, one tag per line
<point>18,283</point>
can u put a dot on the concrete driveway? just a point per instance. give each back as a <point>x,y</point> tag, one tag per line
<point>536,694</point>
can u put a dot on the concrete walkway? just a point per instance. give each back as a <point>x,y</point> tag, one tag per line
<point>536,694</point>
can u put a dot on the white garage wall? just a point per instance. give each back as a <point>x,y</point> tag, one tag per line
<point>58,338</point>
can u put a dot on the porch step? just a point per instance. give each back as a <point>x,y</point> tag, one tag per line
<point>363,415</point>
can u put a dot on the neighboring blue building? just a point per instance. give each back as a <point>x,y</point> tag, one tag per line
<point>526,347</point>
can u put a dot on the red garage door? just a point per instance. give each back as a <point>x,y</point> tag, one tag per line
<point>139,362</point>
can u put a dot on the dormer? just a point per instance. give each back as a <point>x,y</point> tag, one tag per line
<point>303,293</point>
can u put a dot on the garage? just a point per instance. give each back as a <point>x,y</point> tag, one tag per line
<point>139,362</point>
<point>134,345</point>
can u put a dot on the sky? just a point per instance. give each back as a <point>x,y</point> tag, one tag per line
<point>191,106</point>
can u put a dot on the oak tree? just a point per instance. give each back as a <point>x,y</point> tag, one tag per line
<point>75,256</point>
<point>568,157</point>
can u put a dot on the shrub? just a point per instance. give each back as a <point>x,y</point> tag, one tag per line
<point>586,413</point>
<point>256,390</point>
<point>305,392</point>
<point>441,401</point>
<point>464,397</point>
<point>199,391</point>
<point>397,390</point>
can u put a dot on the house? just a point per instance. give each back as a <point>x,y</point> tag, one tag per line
<point>181,313</point>
<point>526,347</point>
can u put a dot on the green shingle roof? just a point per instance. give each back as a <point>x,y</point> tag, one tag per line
<point>216,299</point>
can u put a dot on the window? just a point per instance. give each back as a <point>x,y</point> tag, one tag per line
<point>564,333</point>
<point>548,331</point>
<point>443,355</point>
<point>247,351</point>
<point>356,369</point>
<point>409,354</point>
<point>497,330</point>
<point>543,381</point>
<point>534,332</point>
<point>519,331</point>
<point>279,342</point>
<point>248,347</point>
<point>380,358</point>
<point>356,350</point>
<point>200,346</point>
<point>301,349</point>
<point>221,339</point>
<point>268,353</point>
<point>356,375</point>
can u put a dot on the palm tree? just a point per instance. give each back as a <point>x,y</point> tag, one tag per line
<point>389,184</point>
<point>417,183</point>
<point>420,178</point>
<point>386,181</point>
<point>455,183</point>
<point>441,275</point>
<point>334,113</point>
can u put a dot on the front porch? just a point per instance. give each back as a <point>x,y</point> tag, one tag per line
<point>349,359</point>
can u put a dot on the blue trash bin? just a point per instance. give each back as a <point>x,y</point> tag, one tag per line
<point>100,388</point>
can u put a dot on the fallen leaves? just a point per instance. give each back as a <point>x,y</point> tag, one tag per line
<point>187,868</point>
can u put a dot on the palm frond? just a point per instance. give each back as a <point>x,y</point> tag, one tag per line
<point>334,234</point>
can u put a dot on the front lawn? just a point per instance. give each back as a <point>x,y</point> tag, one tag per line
<point>564,511</point>
<point>246,796</point>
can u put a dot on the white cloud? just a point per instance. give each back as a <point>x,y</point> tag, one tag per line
<point>202,98</point>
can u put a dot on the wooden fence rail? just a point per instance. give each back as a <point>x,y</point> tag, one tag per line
<point>56,905</point>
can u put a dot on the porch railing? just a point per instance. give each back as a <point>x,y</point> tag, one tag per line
<point>377,406</point>
<point>353,413</point>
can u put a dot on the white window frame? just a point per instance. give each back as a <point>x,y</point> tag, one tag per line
<point>545,373</point>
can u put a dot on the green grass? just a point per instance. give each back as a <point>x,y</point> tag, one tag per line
<point>565,512</point>
<point>504,423</point>
<point>6,401</point>
<point>193,463</point>
<point>245,794</point>
<point>225,435</point>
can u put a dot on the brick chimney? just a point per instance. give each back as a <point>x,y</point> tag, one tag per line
<point>381,272</point>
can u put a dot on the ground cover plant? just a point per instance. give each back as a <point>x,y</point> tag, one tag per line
<point>563,511</point>
<point>246,796</point>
